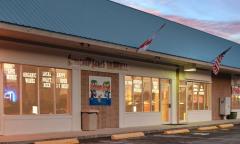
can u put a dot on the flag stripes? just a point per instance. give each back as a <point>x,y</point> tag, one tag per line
<point>218,60</point>
<point>146,43</point>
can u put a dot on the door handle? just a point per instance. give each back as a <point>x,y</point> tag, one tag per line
<point>169,106</point>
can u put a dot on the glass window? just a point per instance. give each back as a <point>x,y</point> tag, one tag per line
<point>128,94</point>
<point>29,89</point>
<point>142,94</point>
<point>11,88</point>
<point>63,91</point>
<point>195,96</point>
<point>147,94</point>
<point>155,95</point>
<point>46,90</point>
<point>137,94</point>
<point>190,95</point>
<point>165,98</point>
<point>201,95</point>
<point>235,97</point>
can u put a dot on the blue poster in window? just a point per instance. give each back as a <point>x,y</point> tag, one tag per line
<point>100,90</point>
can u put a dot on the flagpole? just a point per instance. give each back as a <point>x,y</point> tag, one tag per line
<point>222,52</point>
<point>147,42</point>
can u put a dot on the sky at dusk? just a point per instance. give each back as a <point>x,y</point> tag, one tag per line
<point>218,17</point>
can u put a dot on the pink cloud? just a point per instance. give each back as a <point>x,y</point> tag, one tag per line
<point>227,30</point>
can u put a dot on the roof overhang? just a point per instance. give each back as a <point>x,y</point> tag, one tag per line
<point>33,36</point>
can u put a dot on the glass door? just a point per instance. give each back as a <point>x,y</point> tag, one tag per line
<point>182,105</point>
<point>165,100</point>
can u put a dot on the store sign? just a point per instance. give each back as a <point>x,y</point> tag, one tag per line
<point>235,90</point>
<point>94,63</point>
<point>99,90</point>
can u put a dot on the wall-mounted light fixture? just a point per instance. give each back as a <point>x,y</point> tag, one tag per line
<point>190,68</point>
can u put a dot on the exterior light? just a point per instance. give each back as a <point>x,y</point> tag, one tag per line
<point>190,68</point>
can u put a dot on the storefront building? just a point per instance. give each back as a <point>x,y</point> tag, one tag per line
<point>52,71</point>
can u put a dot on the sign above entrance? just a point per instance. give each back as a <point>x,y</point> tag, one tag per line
<point>94,63</point>
<point>99,90</point>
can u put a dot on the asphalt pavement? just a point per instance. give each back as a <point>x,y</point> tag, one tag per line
<point>221,136</point>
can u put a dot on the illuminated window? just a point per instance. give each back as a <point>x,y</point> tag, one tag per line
<point>46,90</point>
<point>63,91</point>
<point>155,95</point>
<point>128,94</point>
<point>36,90</point>
<point>142,94</point>
<point>235,97</point>
<point>29,89</point>
<point>11,88</point>
<point>147,93</point>
<point>198,96</point>
<point>137,94</point>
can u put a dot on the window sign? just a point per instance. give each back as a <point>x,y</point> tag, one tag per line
<point>29,89</point>
<point>63,91</point>
<point>62,81</point>
<point>11,88</point>
<point>99,90</point>
<point>46,79</point>
<point>46,90</point>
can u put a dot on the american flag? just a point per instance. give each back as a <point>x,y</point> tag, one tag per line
<point>146,43</point>
<point>218,60</point>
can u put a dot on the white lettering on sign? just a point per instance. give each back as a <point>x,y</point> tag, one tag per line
<point>64,86</point>
<point>61,75</point>
<point>47,85</point>
<point>10,72</point>
<point>11,77</point>
<point>30,75</point>
<point>46,74</point>
<point>30,80</point>
<point>46,79</point>
<point>62,81</point>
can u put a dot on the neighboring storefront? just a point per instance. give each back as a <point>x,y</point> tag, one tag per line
<point>195,96</point>
<point>236,94</point>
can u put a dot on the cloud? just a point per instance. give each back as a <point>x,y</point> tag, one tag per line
<point>227,30</point>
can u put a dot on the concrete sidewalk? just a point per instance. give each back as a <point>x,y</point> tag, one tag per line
<point>30,138</point>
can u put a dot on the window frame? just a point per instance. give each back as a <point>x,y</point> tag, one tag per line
<point>159,88</point>
<point>38,87</point>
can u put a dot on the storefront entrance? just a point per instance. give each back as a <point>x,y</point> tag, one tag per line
<point>165,101</point>
<point>182,104</point>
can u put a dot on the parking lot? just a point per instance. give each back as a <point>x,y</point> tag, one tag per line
<point>221,136</point>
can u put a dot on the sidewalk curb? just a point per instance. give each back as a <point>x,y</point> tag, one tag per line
<point>146,131</point>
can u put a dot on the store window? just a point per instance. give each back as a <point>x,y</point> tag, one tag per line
<point>36,90</point>
<point>198,95</point>
<point>46,90</point>
<point>29,89</point>
<point>137,94</point>
<point>128,94</point>
<point>155,95</point>
<point>142,94</point>
<point>63,91</point>
<point>235,97</point>
<point>11,81</point>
